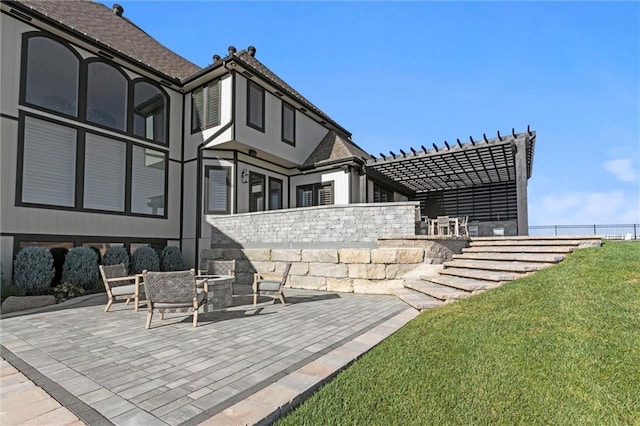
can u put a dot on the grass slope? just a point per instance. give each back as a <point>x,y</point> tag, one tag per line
<point>561,346</point>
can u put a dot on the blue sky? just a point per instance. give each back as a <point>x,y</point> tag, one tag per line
<point>415,73</point>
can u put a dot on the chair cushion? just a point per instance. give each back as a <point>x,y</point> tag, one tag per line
<point>189,304</point>
<point>122,290</point>
<point>268,285</point>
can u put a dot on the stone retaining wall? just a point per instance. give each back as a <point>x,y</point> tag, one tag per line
<point>359,270</point>
<point>352,225</point>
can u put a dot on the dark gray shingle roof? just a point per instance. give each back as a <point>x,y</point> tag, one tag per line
<point>102,25</point>
<point>333,148</point>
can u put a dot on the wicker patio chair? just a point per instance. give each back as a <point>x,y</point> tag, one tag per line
<point>219,267</point>
<point>120,285</point>
<point>270,283</point>
<point>173,292</point>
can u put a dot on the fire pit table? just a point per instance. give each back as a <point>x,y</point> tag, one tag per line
<point>220,290</point>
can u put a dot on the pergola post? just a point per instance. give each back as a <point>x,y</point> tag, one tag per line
<point>521,184</point>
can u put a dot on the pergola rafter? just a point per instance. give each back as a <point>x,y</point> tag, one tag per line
<point>458,165</point>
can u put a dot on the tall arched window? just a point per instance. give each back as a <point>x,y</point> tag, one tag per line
<point>149,112</point>
<point>106,96</point>
<point>52,71</point>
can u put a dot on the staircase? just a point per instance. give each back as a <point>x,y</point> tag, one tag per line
<point>489,262</point>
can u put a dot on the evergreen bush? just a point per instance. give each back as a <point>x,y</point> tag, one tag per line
<point>96,250</point>
<point>33,270</point>
<point>58,254</point>
<point>115,255</point>
<point>81,267</point>
<point>145,258</point>
<point>171,259</point>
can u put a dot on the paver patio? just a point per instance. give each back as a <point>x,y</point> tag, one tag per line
<point>240,365</point>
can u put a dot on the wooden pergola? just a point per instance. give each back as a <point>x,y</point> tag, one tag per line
<point>505,158</point>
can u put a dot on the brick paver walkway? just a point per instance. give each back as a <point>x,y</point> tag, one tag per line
<point>239,366</point>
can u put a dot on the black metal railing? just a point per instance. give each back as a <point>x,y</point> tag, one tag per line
<point>611,232</point>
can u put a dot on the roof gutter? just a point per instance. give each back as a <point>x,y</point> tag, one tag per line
<point>332,164</point>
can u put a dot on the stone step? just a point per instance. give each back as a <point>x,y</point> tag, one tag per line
<point>494,265</point>
<point>479,274</point>
<point>541,237</point>
<point>466,284</point>
<point>534,242</point>
<point>416,299</point>
<point>519,249</point>
<point>436,290</point>
<point>513,257</point>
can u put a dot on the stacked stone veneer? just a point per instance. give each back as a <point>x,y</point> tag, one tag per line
<point>361,270</point>
<point>352,225</point>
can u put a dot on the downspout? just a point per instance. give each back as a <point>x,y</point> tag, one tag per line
<point>199,162</point>
<point>184,97</point>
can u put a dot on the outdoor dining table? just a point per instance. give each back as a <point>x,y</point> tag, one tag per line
<point>454,224</point>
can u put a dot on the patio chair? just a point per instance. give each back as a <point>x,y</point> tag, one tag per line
<point>120,285</point>
<point>219,267</point>
<point>464,226</point>
<point>270,283</point>
<point>173,292</point>
<point>442,224</point>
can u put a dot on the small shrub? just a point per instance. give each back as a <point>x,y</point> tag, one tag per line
<point>67,291</point>
<point>33,270</point>
<point>81,267</point>
<point>10,290</point>
<point>172,259</point>
<point>145,258</point>
<point>115,255</point>
<point>58,254</point>
<point>1,276</point>
<point>96,250</point>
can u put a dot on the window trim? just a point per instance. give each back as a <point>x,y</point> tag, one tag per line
<point>84,94</point>
<point>379,188</point>
<point>131,113</point>
<point>314,187</point>
<point>205,105</point>
<point>262,100</point>
<point>273,179</point>
<point>253,174</point>
<point>80,103</point>
<point>81,117</point>
<point>282,135</point>
<point>206,192</point>
<point>80,164</point>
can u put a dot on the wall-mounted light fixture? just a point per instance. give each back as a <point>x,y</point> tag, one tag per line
<point>245,176</point>
<point>253,153</point>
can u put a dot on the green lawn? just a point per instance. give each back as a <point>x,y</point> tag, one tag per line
<point>561,346</point>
